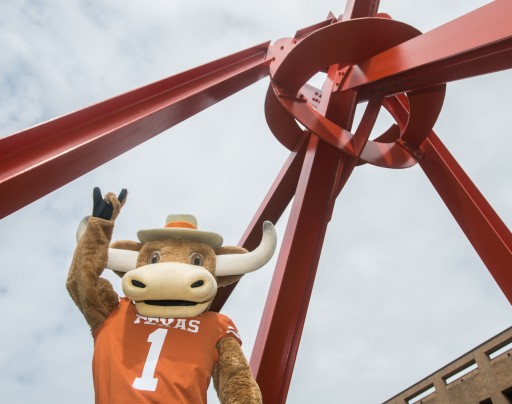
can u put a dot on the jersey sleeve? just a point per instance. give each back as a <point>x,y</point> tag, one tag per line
<point>226,328</point>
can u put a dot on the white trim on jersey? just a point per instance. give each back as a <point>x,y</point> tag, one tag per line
<point>233,331</point>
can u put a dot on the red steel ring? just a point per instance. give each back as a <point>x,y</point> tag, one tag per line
<point>347,43</point>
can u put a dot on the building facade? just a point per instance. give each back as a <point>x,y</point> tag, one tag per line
<point>481,376</point>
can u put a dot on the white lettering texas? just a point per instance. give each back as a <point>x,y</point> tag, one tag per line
<point>181,323</point>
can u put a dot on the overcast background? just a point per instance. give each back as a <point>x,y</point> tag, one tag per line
<point>399,292</point>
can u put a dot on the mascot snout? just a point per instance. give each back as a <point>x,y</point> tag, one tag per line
<point>160,288</point>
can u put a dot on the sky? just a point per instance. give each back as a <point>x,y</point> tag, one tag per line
<point>399,291</point>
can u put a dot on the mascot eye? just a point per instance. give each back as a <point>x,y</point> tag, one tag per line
<point>154,257</point>
<point>196,259</point>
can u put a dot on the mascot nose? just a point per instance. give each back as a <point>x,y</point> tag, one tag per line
<point>138,284</point>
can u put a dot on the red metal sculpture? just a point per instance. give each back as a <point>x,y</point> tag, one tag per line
<point>367,57</point>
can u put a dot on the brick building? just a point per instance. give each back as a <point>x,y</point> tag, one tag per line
<point>481,376</point>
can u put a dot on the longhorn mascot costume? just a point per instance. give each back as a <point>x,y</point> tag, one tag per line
<point>159,343</point>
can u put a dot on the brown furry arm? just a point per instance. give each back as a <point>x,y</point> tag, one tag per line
<point>232,377</point>
<point>94,296</point>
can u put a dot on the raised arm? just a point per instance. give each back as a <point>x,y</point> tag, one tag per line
<point>94,296</point>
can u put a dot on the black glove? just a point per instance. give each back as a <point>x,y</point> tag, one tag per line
<point>102,208</point>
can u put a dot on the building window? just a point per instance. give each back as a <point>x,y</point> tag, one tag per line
<point>418,396</point>
<point>461,371</point>
<point>508,394</point>
<point>500,349</point>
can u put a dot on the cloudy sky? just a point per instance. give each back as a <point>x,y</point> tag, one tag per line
<point>399,292</point>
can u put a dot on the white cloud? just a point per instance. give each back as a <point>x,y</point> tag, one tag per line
<point>399,292</point>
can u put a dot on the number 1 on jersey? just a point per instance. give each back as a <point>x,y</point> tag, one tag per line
<point>148,381</point>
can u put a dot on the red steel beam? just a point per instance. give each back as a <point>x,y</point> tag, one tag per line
<point>360,9</point>
<point>279,196</point>
<point>285,310</point>
<point>485,230</point>
<point>274,204</point>
<point>331,19</point>
<point>324,172</point>
<point>477,43</point>
<point>41,159</point>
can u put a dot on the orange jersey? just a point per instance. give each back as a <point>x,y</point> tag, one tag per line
<point>156,360</point>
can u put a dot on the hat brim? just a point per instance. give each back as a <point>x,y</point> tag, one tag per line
<point>213,239</point>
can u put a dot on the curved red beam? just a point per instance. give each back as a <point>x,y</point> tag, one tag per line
<point>296,60</point>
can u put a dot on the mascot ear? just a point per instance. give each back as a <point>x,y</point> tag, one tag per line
<point>123,256</point>
<point>126,245</point>
<point>227,280</point>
